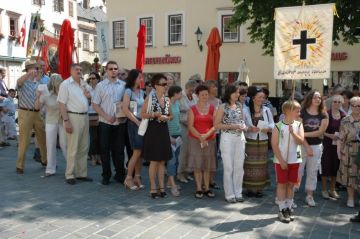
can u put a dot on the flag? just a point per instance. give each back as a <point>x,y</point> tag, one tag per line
<point>23,33</point>
<point>33,34</point>
<point>303,42</point>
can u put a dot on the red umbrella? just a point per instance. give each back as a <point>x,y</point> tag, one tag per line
<point>65,49</point>
<point>140,53</point>
<point>213,57</point>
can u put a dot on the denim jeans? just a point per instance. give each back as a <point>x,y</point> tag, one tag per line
<point>112,143</point>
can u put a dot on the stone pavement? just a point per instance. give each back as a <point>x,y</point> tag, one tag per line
<point>36,207</point>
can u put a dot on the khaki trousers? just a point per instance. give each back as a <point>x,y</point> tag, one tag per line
<point>77,146</point>
<point>29,120</point>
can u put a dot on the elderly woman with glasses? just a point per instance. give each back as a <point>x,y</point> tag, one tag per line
<point>329,160</point>
<point>347,150</point>
<point>157,146</point>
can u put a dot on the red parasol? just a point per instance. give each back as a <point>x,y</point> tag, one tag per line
<point>213,57</point>
<point>140,53</point>
<point>65,49</point>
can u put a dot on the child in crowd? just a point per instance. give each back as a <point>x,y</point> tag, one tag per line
<point>287,135</point>
<point>9,118</point>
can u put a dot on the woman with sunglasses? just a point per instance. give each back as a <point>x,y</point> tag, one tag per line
<point>94,149</point>
<point>347,150</point>
<point>329,160</point>
<point>260,122</point>
<point>315,121</point>
<point>157,146</point>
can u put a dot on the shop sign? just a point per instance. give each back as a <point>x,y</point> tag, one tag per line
<point>339,56</point>
<point>167,59</point>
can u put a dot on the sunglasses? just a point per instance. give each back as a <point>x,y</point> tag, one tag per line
<point>112,69</point>
<point>162,84</point>
<point>355,106</point>
<point>92,78</point>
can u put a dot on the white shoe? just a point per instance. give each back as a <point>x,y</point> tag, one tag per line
<point>325,195</point>
<point>310,201</point>
<point>350,203</point>
<point>294,205</point>
<point>334,194</point>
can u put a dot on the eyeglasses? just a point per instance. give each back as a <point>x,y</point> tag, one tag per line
<point>355,106</point>
<point>336,102</point>
<point>92,78</point>
<point>162,84</point>
<point>112,69</point>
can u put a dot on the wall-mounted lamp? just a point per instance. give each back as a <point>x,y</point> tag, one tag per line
<point>198,34</point>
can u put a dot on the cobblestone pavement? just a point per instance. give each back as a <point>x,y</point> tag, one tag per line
<point>36,207</point>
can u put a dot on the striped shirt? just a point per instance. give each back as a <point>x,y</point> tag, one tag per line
<point>27,94</point>
<point>107,94</point>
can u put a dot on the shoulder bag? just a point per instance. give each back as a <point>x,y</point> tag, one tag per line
<point>144,122</point>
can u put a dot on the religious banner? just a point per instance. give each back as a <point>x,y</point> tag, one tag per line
<point>102,43</point>
<point>303,41</point>
<point>34,34</point>
<point>49,53</point>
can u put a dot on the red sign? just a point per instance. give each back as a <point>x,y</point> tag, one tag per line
<point>167,59</point>
<point>49,53</point>
<point>339,56</point>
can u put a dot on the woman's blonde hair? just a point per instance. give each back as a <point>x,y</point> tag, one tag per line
<point>355,99</point>
<point>337,97</point>
<point>54,83</point>
<point>290,105</point>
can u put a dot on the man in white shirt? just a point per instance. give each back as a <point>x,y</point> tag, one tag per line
<point>73,102</point>
<point>112,129</point>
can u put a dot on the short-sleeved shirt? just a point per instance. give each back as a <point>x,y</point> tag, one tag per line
<point>27,94</point>
<point>107,94</point>
<point>312,123</point>
<point>72,95</point>
<point>233,116</point>
<point>290,150</point>
<point>52,108</point>
<point>138,98</point>
<point>174,124</point>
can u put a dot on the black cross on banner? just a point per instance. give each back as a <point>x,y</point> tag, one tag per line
<point>303,41</point>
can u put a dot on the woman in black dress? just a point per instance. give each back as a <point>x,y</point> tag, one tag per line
<point>157,146</point>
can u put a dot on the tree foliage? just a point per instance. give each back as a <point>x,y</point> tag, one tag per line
<point>260,15</point>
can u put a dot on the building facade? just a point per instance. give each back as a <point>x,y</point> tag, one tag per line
<point>172,44</point>
<point>87,36</point>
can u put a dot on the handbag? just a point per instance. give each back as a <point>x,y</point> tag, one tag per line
<point>144,122</point>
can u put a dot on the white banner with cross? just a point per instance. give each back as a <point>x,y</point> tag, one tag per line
<point>303,42</point>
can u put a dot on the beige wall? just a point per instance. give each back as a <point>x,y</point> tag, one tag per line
<point>202,13</point>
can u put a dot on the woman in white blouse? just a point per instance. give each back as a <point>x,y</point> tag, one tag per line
<point>260,122</point>
<point>54,124</point>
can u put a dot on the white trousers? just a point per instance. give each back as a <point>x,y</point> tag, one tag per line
<point>312,165</point>
<point>52,130</point>
<point>233,154</point>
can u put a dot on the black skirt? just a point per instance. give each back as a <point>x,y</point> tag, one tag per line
<point>157,146</point>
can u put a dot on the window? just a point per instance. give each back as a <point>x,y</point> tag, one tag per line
<point>86,42</point>
<point>14,25</point>
<point>71,8</point>
<point>85,4</point>
<point>38,2</point>
<point>229,33</point>
<point>57,32</point>
<point>175,29</point>
<point>119,34</point>
<point>58,5</point>
<point>148,22</point>
<point>95,44</point>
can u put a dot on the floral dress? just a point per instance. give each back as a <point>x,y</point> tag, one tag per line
<point>348,173</point>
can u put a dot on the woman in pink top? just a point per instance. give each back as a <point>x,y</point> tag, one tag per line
<point>202,141</point>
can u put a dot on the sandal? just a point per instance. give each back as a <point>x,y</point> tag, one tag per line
<point>163,194</point>
<point>138,183</point>
<point>199,194</point>
<point>154,193</point>
<point>209,194</point>
<point>214,185</point>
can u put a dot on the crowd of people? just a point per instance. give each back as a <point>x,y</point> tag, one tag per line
<point>183,134</point>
